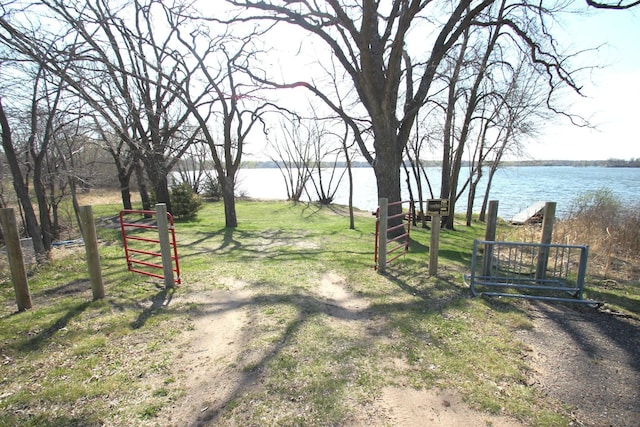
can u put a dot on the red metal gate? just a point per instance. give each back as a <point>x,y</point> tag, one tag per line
<point>142,243</point>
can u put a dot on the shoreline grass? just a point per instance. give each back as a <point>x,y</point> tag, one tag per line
<point>71,361</point>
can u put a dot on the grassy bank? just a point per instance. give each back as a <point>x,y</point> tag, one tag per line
<point>71,361</point>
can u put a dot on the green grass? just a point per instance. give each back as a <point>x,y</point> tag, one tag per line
<point>73,361</point>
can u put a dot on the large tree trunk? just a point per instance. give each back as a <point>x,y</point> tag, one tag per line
<point>387,171</point>
<point>228,196</point>
<point>157,174</point>
<point>161,189</point>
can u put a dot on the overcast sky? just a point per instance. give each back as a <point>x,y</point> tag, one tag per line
<point>613,92</point>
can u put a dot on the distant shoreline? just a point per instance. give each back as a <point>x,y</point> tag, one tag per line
<point>611,163</point>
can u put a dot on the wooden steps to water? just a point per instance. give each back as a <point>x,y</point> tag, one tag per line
<point>532,214</point>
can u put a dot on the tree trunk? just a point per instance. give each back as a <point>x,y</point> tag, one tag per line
<point>157,174</point>
<point>472,195</point>
<point>387,171</point>
<point>74,202</point>
<point>161,189</point>
<point>142,187</point>
<point>124,178</point>
<point>125,193</point>
<point>41,197</point>
<point>352,224</point>
<point>22,192</point>
<point>228,196</point>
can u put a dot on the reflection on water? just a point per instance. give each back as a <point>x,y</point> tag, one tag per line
<point>514,187</point>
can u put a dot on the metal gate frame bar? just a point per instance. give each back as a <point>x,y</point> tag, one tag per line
<point>538,281</point>
<point>129,251</point>
<point>402,244</point>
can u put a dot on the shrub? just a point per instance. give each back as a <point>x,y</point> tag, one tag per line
<point>184,202</point>
<point>212,188</point>
<point>598,219</point>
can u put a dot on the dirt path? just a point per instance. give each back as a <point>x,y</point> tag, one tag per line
<point>210,353</point>
<point>581,358</point>
<point>587,360</point>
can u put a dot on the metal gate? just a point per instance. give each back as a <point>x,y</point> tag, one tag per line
<point>142,243</point>
<point>529,270</point>
<point>402,233</point>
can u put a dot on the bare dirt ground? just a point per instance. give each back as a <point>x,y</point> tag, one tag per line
<point>583,359</point>
<point>588,360</point>
<point>212,350</point>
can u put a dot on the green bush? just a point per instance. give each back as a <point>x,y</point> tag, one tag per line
<point>184,202</point>
<point>212,188</point>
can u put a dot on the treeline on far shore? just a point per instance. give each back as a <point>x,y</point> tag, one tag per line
<point>610,163</point>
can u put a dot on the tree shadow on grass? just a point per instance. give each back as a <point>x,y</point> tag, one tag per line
<point>158,302</point>
<point>39,340</point>
<point>307,309</point>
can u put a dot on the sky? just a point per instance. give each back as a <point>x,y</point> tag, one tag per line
<point>612,92</point>
<point>611,87</point>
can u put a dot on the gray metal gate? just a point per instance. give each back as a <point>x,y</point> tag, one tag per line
<point>529,270</point>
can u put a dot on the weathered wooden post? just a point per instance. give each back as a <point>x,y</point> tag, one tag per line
<point>547,233</point>
<point>490,236</point>
<point>91,249</point>
<point>434,245</point>
<point>383,213</point>
<point>16,262</point>
<point>436,208</point>
<point>165,244</point>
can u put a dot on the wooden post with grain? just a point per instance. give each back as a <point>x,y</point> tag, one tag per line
<point>547,233</point>
<point>91,249</point>
<point>16,262</point>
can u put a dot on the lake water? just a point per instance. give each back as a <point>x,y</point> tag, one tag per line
<point>515,188</point>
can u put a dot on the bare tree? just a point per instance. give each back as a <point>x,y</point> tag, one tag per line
<point>221,97</point>
<point>116,58</point>
<point>614,5</point>
<point>347,148</point>
<point>123,157</point>
<point>40,114</point>
<point>522,109</point>
<point>415,148</point>
<point>325,176</point>
<point>293,154</point>
<point>391,71</point>
<point>193,166</point>
<point>20,187</point>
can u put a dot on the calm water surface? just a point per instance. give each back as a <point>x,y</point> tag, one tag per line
<point>514,187</point>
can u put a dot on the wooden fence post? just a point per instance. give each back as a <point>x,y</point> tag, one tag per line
<point>165,244</point>
<point>434,245</point>
<point>91,249</point>
<point>490,236</point>
<point>16,262</point>
<point>547,233</point>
